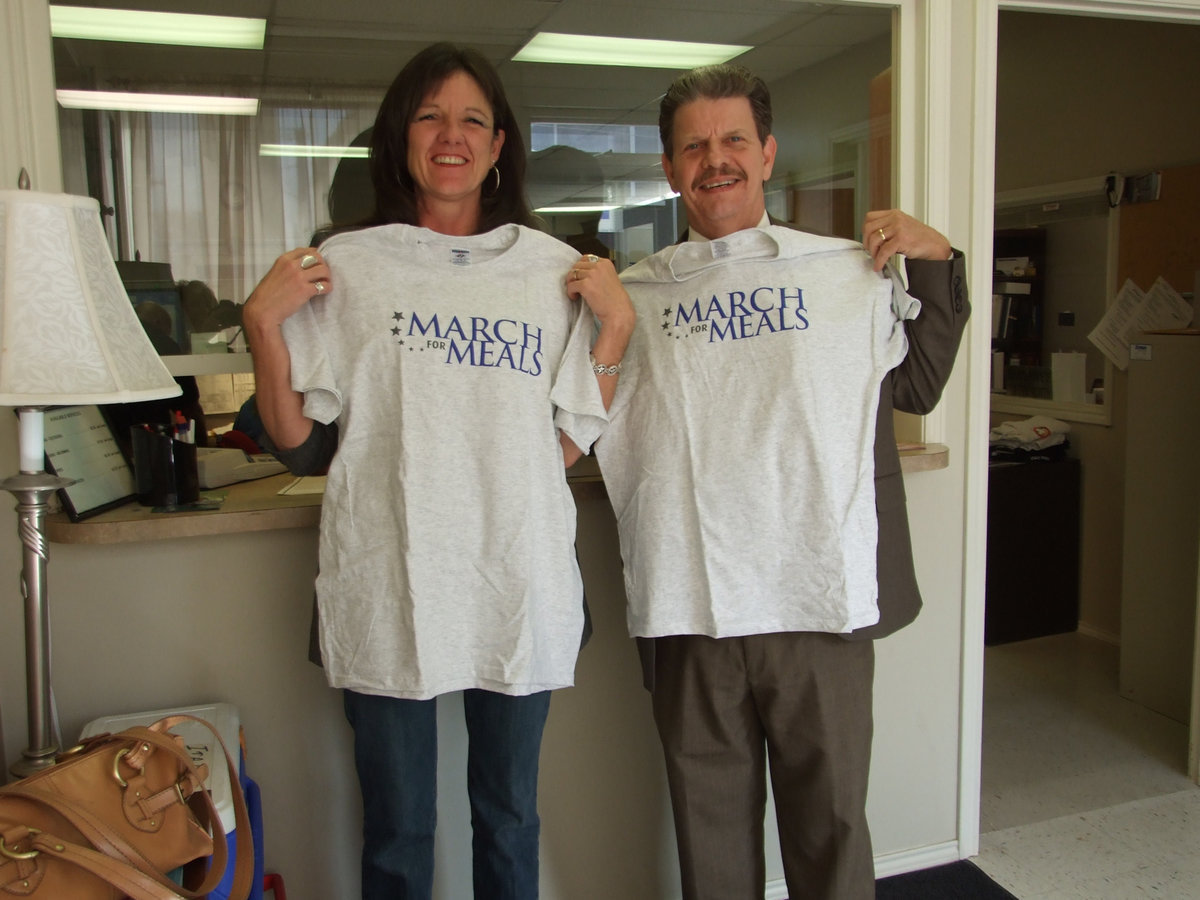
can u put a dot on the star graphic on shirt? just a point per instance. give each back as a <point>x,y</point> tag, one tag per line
<point>396,330</point>
<point>397,316</point>
<point>666,325</point>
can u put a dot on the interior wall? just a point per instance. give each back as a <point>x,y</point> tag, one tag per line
<point>814,103</point>
<point>1079,96</point>
<point>1122,99</point>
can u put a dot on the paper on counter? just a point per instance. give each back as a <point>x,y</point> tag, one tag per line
<point>308,484</point>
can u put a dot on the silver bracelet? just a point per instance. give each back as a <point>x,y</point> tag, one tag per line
<point>601,369</point>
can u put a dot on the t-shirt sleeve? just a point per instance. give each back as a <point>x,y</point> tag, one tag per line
<point>312,374</point>
<point>579,411</point>
<point>902,307</point>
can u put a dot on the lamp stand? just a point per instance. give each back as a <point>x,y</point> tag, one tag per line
<point>32,490</point>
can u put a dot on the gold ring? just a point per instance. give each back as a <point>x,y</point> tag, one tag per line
<point>592,258</point>
<point>575,276</point>
<point>308,261</point>
<point>882,236</point>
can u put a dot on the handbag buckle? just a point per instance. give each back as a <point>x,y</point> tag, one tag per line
<point>116,769</point>
<point>13,853</point>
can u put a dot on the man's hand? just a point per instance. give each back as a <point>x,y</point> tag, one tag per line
<point>890,231</point>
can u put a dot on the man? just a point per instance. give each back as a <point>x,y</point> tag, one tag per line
<point>755,408</point>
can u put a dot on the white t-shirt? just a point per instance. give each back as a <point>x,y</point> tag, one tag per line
<point>739,458</point>
<point>447,554</point>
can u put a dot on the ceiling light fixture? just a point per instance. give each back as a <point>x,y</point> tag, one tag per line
<point>171,103</point>
<point>577,209</point>
<point>584,49</point>
<point>144,27</point>
<point>316,152</point>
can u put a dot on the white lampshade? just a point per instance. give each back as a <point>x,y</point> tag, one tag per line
<point>68,332</point>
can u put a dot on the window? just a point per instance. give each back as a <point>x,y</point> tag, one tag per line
<point>218,197</point>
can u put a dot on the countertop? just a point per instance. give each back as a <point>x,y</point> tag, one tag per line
<point>258,506</point>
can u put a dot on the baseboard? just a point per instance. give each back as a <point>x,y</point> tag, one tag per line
<point>916,859</point>
<point>889,864</point>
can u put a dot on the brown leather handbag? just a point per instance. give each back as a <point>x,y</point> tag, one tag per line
<point>113,816</point>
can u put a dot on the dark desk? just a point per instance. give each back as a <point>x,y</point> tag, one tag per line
<point>1032,550</point>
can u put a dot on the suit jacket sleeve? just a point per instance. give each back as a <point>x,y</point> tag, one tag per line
<point>934,335</point>
<point>914,386</point>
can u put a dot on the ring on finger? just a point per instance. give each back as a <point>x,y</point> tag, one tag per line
<point>320,286</point>
<point>308,261</point>
<point>592,258</point>
<point>882,236</point>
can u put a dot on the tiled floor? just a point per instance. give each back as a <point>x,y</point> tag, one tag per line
<point>1085,794</point>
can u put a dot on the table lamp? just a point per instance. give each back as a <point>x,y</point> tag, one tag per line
<point>68,335</point>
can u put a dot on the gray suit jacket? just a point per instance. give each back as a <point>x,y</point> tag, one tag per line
<point>914,386</point>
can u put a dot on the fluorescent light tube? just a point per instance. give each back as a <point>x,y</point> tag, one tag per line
<point>317,151</point>
<point>582,49</point>
<point>172,103</point>
<point>576,209</point>
<point>142,27</point>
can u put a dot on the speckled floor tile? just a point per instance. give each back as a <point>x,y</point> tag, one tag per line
<point>1146,848</point>
<point>1057,738</point>
<point>1085,795</point>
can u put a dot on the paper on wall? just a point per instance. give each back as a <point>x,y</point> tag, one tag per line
<point>1134,311</point>
<point>1107,333</point>
<point>1162,307</point>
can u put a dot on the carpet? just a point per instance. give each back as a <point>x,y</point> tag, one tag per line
<point>960,880</point>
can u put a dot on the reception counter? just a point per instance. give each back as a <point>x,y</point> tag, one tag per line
<point>163,610</point>
<point>259,506</point>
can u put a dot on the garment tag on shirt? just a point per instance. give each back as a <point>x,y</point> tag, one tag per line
<point>720,249</point>
<point>460,257</point>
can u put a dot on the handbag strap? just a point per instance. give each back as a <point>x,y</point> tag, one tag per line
<point>158,733</point>
<point>129,880</point>
<point>243,871</point>
<point>108,841</point>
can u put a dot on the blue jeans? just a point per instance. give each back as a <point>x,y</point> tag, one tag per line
<point>395,753</point>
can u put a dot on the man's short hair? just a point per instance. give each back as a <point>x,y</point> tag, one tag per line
<point>714,83</point>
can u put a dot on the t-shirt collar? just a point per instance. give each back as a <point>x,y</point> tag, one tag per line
<point>694,235</point>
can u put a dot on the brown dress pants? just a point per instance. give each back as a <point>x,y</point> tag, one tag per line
<point>724,708</point>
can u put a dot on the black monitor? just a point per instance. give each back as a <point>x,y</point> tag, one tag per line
<point>155,298</point>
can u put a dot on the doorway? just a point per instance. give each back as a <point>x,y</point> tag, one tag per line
<point>1119,103</point>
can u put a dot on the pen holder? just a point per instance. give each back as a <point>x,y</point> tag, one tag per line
<point>164,469</point>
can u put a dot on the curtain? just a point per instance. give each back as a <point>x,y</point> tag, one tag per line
<point>202,198</point>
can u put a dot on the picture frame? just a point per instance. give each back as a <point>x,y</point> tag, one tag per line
<point>80,445</point>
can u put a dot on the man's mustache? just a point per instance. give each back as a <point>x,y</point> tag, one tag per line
<point>724,170</point>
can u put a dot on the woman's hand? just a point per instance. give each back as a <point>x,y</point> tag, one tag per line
<point>294,279</point>
<point>595,281</point>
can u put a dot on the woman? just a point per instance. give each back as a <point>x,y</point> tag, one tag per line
<point>444,353</point>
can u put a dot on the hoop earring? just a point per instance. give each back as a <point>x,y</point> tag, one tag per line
<point>496,189</point>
